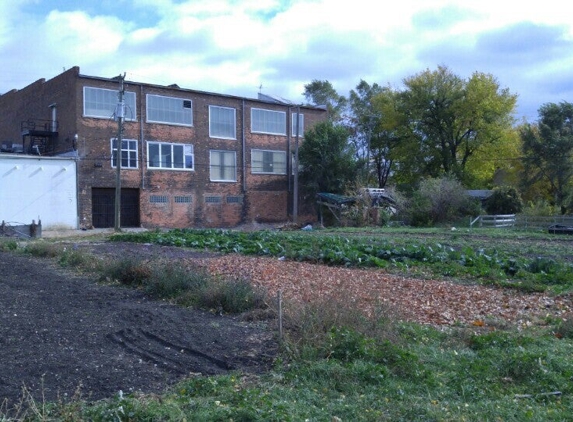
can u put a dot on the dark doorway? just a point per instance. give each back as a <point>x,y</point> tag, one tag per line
<point>103,207</point>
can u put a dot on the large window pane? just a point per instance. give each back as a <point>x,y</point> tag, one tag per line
<point>162,155</point>
<point>169,110</point>
<point>222,123</point>
<point>99,102</point>
<point>268,121</point>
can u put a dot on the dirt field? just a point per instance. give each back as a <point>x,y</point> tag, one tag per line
<point>61,334</point>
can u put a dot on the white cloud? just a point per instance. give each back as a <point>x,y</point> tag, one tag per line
<point>233,46</point>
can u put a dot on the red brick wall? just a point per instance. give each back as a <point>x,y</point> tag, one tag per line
<point>252,197</point>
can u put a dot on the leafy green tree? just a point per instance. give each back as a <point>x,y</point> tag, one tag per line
<point>389,139</point>
<point>322,93</point>
<point>327,159</point>
<point>450,118</point>
<point>362,119</point>
<point>548,151</point>
<point>496,164</point>
<point>504,200</point>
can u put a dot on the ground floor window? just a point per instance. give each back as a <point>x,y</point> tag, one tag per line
<point>223,166</point>
<point>268,162</point>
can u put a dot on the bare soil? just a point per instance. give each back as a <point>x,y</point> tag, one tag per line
<point>62,335</point>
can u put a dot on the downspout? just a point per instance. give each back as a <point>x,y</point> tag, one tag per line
<point>289,161</point>
<point>243,146</point>
<point>141,135</point>
<point>295,205</point>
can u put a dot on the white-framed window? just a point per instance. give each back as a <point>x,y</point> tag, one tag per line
<point>128,153</point>
<point>300,124</point>
<point>167,156</point>
<point>268,121</point>
<point>169,110</point>
<point>222,122</point>
<point>103,103</point>
<point>223,166</point>
<point>268,162</point>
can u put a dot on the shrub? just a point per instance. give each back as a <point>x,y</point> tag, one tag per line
<point>43,249</point>
<point>233,296</point>
<point>504,200</point>
<point>540,208</point>
<point>169,281</point>
<point>127,271</point>
<point>437,201</point>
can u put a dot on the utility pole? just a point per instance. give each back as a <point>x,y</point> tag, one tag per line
<point>295,193</point>
<point>120,114</point>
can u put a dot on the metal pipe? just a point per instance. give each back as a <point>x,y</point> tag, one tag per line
<point>243,146</point>
<point>295,199</point>
<point>141,136</point>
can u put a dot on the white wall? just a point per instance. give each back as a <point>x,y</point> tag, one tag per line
<point>33,188</point>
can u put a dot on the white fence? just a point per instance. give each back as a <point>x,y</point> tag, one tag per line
<point>521,221</point>
<point>503,220</point>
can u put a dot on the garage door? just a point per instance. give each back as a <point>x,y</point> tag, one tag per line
<point>103,207</point>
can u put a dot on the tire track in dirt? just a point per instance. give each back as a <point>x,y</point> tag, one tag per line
<point>175,358</point>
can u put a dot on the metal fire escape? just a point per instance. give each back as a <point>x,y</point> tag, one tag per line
<point>39,136</point>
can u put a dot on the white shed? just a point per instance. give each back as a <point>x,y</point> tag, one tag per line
<point>38,188</point>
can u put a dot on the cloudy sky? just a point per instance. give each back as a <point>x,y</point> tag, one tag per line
<point>241,47</point>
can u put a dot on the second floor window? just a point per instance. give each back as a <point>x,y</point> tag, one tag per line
<point>170,110</point>
<point>103,103</point>
<point>268,121</point>
<point>222,122</point>
<point>128,153</point>
<point>300,124</point>
<point>163,155</point>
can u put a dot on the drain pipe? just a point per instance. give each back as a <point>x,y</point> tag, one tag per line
<point>141,136</point>
<point>244,149</point>
<point>295,205</point>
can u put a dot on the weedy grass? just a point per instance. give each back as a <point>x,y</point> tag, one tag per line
<point>422,374</point>
<point>8,244</point>
<point>43,249</point>
<point>191,286</point>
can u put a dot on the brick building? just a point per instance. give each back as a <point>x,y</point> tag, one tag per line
<point>188,158</point>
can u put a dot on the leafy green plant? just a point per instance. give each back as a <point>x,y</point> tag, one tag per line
<point>74,258</point>
<point>454,256</point>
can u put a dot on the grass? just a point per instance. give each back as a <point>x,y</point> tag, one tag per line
<point>336,364</point>
<point>186,286</point>
<point>427,375</point>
